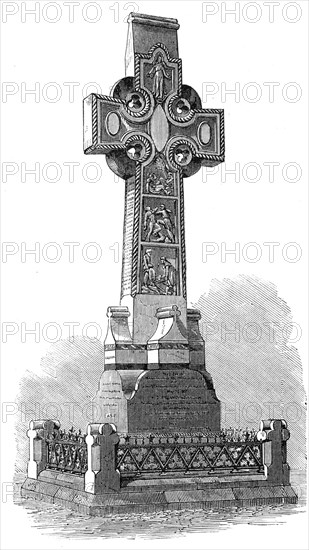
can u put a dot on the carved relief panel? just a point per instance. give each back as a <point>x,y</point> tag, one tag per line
<point>159,179</point>
<point>160,220</point>
<point>159,270</point>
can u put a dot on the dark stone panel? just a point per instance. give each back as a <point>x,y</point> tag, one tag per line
<point>173,400</point>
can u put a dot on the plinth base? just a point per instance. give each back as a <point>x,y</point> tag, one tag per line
<point>151,495</point>
<point>165,400</point>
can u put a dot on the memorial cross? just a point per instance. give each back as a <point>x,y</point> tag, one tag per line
<point>154,132</point>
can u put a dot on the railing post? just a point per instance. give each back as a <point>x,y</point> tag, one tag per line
<point>274,435</point>
<point>102,475</point>
<point>38,430</point>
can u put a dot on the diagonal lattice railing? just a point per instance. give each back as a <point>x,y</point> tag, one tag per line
<point>164,454</point>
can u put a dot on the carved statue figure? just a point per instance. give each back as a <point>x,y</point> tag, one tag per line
<point>158,73</point>
<point>149,272</point>
<point>169,276</point>
<point>150,224</point>
<point>158,225</point>
<point>165,221</point>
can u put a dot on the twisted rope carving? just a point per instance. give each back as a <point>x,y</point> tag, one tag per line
<point>210,111</point>
<point>182,236</point>
<point>105,148</point>
<point>135,238</point>
<point>137,71</point>
<point>206,156</point>
<point>94,121</point>
<point>108,98</point>
<point>222,142</point>
<point>164,48</point>
<point>179,62</point>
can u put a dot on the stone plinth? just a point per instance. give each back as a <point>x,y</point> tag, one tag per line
<point>166,400</point>
<point>111,402</point>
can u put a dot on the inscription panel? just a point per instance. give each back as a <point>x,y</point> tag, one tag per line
<point>110,402</point>
<point>172,400</point>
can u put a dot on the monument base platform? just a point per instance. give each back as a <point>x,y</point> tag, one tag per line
<point>151,495</point>
<point>167,400</point>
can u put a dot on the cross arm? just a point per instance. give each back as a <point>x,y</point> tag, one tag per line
<point>203,131</point>
<point>104,124</point>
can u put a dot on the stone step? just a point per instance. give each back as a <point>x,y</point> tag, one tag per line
<point>192,483</point>
<point>124,502</point>
<point>76,481</point>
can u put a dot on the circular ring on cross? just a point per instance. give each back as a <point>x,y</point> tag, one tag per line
<point>180,152</point>
<point>135,102</point>
<point>138,104</point>
<point>138,148</point>
<point>182,155</point>
<point>180,110</point>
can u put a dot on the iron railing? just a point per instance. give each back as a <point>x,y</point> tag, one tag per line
<point>227,452</point>
<point>67,451</point>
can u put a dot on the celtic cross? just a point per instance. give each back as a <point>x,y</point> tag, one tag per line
<point>154,132</point>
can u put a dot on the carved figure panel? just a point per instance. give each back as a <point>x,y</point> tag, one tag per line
<point>159,220</point>
<point>158,178</point>
<point>158,72</point>
<point>159,270</point>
